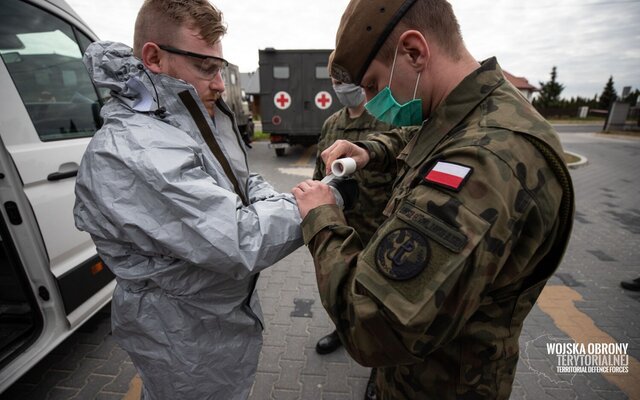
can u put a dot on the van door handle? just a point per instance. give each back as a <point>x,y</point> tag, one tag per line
<point>56,176</point>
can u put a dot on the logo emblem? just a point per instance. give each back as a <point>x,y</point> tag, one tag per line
<point>402,254</point>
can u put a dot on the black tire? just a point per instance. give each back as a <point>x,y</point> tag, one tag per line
<point>280,152</point>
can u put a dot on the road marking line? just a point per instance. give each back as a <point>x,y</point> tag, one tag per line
<point>307,156</point>
<point>558,302</point>
<point>305,172</point>
<point>135,389</point>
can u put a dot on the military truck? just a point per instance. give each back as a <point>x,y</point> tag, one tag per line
<point>237,102</point>
<point>296,96</point>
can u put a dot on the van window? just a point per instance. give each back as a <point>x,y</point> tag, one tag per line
<point>84,41</point>
<point>322,72</point>
<point>44,60</point>
<point>281,72</point>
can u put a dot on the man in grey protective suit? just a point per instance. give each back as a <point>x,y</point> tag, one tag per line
<point>165,191</point>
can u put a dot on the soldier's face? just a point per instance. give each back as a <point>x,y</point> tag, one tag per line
<point>187,68</point>
<point>378,76</point>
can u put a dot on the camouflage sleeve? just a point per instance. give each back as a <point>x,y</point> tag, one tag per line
<point>384,147</point>
<point>325,133</point>
<point>395,139</point>
<point>426,270</point>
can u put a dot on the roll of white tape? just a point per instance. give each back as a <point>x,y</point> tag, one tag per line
<point>343,166</point>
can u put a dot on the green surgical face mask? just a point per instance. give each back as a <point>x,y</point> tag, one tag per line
<point>386,108</point>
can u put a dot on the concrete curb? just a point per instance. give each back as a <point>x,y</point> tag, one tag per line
<point>581,162</point>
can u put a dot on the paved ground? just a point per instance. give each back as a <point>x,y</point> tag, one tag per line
<point>583,303</point>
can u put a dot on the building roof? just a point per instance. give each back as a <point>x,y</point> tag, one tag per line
<point>519,82</point>
<point>250,82</point>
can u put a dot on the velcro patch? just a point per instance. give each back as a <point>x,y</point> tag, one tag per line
<point>448,175</point>
<point>402,254</point>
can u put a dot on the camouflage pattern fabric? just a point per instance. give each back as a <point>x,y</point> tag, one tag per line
<point>438,297</point>
<point>375,187</point>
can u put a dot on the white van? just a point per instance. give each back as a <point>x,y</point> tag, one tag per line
<point>51,280</point>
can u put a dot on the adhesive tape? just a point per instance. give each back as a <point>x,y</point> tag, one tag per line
<point>343,166</point>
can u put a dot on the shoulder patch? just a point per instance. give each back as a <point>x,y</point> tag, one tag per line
<point>448,175</point>
<point>402,254</point>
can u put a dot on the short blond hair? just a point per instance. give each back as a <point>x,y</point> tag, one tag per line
<point>159,20</point>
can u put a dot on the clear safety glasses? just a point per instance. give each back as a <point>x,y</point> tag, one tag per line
<point>208,66</point>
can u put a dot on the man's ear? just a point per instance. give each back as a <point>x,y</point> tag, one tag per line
<point>414,44</point>
<point>152,57</point>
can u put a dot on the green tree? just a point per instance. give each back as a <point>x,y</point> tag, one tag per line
<point>632,97</point>
<point>550,91</point>
<point>608,95</point>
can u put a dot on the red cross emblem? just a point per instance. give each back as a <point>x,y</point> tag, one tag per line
<point>282,100</point>
<point>323,100</point>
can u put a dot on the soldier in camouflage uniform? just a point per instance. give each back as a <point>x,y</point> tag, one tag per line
<point>478,221</point>
<point>354,123</point>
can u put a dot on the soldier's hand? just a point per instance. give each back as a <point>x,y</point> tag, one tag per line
<point>341,149</point>
<point>310,194</point>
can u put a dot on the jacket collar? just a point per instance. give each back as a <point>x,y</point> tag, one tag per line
<point>464,98</point>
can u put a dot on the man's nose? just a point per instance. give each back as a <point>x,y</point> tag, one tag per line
<point>217,83</point>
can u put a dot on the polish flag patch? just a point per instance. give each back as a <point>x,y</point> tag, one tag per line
<point>448,175</point>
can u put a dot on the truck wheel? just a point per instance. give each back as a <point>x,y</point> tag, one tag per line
<point>279,152</point>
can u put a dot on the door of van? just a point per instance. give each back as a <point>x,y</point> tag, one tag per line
<point>50,110</point>
<point>21,318</point>
<point>42,55</point>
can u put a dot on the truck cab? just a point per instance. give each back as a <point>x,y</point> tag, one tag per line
<point>51,279</point>
<point>235,98</point>
<point>296,96</point>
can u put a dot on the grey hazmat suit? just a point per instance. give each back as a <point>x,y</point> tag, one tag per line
<point>166,220</point>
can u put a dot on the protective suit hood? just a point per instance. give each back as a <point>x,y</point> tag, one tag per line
<point>113,66</point>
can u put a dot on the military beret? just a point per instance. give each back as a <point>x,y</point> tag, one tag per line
<point>364,27</point>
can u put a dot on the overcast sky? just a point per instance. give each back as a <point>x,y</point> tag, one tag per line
<point>587,40</point>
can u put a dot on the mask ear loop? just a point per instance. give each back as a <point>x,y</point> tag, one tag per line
<point>393,66</point>
<point>416,89</point>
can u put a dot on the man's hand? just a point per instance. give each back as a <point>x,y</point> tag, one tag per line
<point>341,149</point>
<point>310,194</point>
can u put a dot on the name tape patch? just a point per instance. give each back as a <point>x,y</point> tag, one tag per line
<point>448,175</point>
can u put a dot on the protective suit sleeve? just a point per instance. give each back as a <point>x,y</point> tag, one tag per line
<point>163,201</point>
<point>258,189</point>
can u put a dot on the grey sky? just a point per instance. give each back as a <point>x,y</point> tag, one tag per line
<point>587,40</point>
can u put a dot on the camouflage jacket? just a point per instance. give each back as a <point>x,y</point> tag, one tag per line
<point>478,221</point>
<point>375,187</point>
